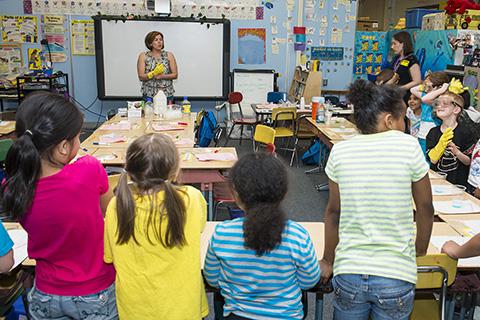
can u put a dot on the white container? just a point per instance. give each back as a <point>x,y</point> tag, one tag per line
<point>160,103</point>
<point>302,103</point>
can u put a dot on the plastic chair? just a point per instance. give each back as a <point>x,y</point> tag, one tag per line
<point>11,288</point>
<point>113,181</point>
<point>5,145</point>
<point>236,98</point>
<point>276,97</point>
<point>263,135</point>
<point>300,134</point>
<point>435,273</point>
<point>286,116</point>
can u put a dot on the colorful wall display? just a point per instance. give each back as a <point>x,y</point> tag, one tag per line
<point>19,29</point>
<point>251,46</point>
<point>370,54</point>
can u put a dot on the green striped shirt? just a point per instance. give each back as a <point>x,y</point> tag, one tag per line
<point>374,173</point>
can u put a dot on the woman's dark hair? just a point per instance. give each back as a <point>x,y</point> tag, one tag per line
<point>43,121</point>
<point>260,182</point>
<point>404,37</point>
<point>370,101</point>
<point>152,161</point>
<point>150,37</point>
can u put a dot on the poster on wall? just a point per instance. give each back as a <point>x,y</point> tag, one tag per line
<point>19,29</point>
<point>55,34</point>
<point>34,59</point>
<point>252,46</point>
<point>370,54</point>
<point>10,60</point>
<point>83,38</point>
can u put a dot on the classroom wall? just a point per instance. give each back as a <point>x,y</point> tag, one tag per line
<point>82,69</point>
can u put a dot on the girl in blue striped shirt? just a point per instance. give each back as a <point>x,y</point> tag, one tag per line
<point>263,261</point>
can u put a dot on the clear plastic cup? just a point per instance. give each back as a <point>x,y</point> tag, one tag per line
<point>459,199</point>
<point>442,175</point>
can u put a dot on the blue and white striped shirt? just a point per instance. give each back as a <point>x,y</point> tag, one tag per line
<point>265,287</point>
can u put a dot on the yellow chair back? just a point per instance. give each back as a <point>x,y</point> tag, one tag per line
<point>433,280</point>
<point>284,114</point>
<point>113,180</point>
<point>264,134</point>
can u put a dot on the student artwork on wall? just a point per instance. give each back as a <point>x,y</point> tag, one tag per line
<point>252,46</point>
<point>34,59</point>
<point>10,59</point>
<point>19,29</point>
<point>83,37</point>
<point>433,50</point>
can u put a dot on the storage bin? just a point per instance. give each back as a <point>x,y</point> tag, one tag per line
<point>414,17</point>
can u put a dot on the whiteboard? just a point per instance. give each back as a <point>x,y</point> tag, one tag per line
<point>254,86</point>
<point>202,53</point>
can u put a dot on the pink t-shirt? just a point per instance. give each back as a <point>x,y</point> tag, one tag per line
<point>65,230</point>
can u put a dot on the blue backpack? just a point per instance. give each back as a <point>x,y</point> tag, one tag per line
<point>312,155</point>
<point>207,128</point>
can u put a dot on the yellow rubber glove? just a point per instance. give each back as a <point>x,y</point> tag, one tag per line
<point>436,153</point>
<point>159,69</point>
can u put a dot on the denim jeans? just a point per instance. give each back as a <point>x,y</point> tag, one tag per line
<point>360,296</point>
<point>98,306</point>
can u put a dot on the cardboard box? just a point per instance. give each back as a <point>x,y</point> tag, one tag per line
<point>434,21</point>
<point>367,25</point>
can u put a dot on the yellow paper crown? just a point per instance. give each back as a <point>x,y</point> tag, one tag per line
<point>456,86</point>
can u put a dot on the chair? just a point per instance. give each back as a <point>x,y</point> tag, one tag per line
<point>276,97</point>
<point>236,98</point>
<point>113,181</point>
<point>11,288</point>
<point>435,273</point>
<point>264,135</point>
<point>300,133</point>
<point>284,119</point>
<point>5,145</point>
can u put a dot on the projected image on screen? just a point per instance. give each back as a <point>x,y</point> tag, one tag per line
<point>199,51</point>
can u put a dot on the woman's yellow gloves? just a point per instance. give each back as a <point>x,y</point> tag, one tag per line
<point>436,153</point>
<point>159,69</point>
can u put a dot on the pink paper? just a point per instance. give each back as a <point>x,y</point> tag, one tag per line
<point>112,138</point>
<point>184,142</point>
<point>216,156</point>
<point>166,127</point>
<point>117,126</point>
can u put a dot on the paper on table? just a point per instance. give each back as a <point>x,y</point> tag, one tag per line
<point>112,138</point>
<point>122,125</point>
<point>4,123</point>
<point>434,175</point>
<point>470,227</point>
<point>438,242</point>
<point>343,130</point>
<point>445,190</point>
<point>166,127</point>
<point>461,206</point>
<point>216,156</point>
<point>20,239</point>
<point>184,142</point>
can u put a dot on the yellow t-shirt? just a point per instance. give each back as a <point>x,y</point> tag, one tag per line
<point>154,282</point>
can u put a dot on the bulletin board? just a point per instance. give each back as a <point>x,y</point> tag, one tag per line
<point>331,25</point>
<point>371,50</point>
<point>254,86</point>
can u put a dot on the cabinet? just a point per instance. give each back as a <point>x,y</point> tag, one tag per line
<point>57,83</point>
<point>305,84</point>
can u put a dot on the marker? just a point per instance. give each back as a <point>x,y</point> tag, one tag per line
<point>100,143</point>
<point>182,123</point>
<point>85,149</point>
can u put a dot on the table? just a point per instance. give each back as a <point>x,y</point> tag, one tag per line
<point>316,231</point>
<point>7,128</point>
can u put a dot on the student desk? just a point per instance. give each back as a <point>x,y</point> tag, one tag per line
<point>139,127</point>
<point>263,111</point>
<point>7,128</point>
<point>463,196</point>
<point>335,131</point>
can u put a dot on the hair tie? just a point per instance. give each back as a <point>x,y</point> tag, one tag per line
<point>456,86</point>
<point>30,133</point>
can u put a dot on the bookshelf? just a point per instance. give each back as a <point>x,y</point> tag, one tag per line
<point>305,84</point>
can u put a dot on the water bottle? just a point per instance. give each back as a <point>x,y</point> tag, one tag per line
<point>315,103</point>
<point>148,107</point>
<point>321,110</point>
<point>186,105</point>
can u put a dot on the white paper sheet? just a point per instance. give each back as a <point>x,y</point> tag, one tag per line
<point>445,190</point>
<point>438,242</point>
<point>456,207</point>
<point>20,239</point>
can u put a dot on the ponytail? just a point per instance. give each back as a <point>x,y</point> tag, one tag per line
<point>263,227</point>
<point>125,211</point>
<point>176,213</point>
<point>43,120</point>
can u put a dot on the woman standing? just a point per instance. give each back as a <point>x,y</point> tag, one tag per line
<point>405,64</point>
<point>156,68</point>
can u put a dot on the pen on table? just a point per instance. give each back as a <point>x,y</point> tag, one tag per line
<point>100,143</point>
<point>85,149</point>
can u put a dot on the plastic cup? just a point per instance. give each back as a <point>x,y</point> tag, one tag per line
<point>458,200</point>
<point>442,175</point>
<point>328,117</point>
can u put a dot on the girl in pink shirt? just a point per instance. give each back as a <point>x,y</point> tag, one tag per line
<point>61,206</point>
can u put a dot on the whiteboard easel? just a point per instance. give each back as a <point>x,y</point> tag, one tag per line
<point>254,86</point>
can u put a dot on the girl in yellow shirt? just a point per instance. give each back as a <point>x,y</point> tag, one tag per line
<point>152,236</point>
